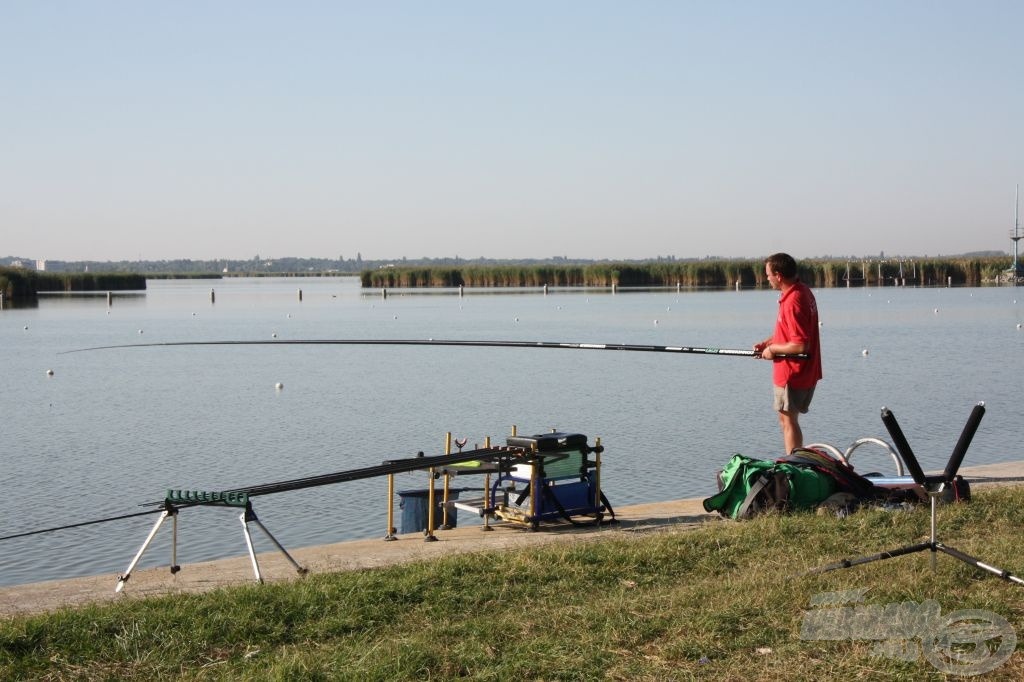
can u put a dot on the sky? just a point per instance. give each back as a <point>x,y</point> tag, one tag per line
<point>150,130</point>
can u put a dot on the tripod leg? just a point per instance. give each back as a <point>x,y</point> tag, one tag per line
<point>123,578</point>
<point>300,569</point>
<point>174,545</point>
<point>847,563</point>
<point>244,518</point>
<point>967,558</point>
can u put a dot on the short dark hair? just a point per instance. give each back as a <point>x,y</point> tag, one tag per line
<point>782,264</point>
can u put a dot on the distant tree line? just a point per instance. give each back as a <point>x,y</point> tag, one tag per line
<point>960,271</point>
<point>256,266</point>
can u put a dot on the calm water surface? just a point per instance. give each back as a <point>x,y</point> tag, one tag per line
<point>113,429</point>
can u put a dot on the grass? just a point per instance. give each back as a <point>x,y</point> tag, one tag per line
<point>724,602</point>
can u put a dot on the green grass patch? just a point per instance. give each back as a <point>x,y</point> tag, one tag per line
<point>723,602</point>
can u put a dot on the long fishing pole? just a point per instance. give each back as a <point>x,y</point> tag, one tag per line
<point>395,466</point>
<point>457,342</point>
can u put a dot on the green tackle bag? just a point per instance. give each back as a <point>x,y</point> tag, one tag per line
<point>748,486</point>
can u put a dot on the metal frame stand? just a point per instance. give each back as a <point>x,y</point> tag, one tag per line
<point>169,510</point>
<point>247,516</point>
<point>934,486</point>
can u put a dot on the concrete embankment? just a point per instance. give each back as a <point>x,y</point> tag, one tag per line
<point>673,516</point>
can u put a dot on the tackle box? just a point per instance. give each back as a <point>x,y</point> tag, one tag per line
<point>564,455</point>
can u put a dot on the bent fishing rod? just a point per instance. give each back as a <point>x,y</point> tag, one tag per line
<point>456,342</point>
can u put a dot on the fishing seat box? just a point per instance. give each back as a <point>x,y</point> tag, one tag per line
<point>564,455</point>
<point>565,478</point>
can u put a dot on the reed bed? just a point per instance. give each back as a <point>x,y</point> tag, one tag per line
<point>695,274</point>
<point>22,283</point>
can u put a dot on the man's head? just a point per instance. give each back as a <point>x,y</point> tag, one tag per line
<point>780,266</point>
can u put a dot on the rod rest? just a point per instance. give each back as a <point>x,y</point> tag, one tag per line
<point>211,498</point>
<point>937,482</point>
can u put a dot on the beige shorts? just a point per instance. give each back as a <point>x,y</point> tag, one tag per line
<point>793,399</point>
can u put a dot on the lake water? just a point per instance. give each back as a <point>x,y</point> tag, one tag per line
<point>113,429</point>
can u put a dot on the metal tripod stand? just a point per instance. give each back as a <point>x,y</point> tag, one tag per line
<point>934,486</point>
<point>246,517</point>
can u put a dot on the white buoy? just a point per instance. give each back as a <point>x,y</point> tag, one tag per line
<point>274,335</point>
<point>279,385</point>
<point>655,322</point>
<point>864,352</point>
<point>936,311</point>
<point>140,331</point>
<point>1018,325</point>
<point>49,372</point>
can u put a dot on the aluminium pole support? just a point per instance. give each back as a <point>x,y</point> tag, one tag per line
<point>249,516</point>
<point>169,511</point>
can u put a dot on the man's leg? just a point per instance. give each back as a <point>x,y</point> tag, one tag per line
<point>792,436</point>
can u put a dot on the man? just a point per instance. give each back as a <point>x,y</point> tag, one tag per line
<point>796,331</point>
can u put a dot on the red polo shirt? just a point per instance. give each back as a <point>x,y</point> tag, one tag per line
<point>798,321</point>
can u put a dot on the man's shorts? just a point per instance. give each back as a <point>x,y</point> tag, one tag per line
<point>793,399</point>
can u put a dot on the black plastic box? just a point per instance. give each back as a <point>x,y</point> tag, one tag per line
<point>549,442</point>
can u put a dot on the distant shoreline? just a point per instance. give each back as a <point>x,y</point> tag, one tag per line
<point>25,283</point>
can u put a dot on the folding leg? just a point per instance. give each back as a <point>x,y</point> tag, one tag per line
<point>168,511</point>
<point>250,516</point>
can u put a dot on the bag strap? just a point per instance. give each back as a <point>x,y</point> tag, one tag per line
<point>743,511</point>
<point>774,477</point>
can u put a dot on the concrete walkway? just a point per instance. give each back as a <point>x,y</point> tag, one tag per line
<point>359,554</point>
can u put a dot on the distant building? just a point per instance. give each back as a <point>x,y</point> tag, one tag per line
<point>41,265</point>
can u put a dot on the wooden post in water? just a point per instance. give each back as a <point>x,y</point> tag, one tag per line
<point>300,295</point>
<point>213,296</point>
<point>110,298</point>
<point>384,293</point>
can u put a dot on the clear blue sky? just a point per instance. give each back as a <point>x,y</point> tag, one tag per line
<point>227,129</point>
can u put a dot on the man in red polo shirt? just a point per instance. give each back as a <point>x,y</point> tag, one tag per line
<point>796,331</point>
